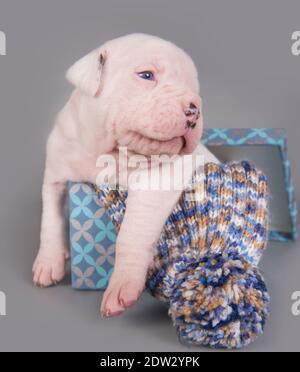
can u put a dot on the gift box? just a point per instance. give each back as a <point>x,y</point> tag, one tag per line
<point>93,237</point>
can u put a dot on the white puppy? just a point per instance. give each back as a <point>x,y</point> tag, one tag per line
<point>136,91</point>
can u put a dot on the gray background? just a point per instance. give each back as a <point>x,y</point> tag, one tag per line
<point>249,79</point>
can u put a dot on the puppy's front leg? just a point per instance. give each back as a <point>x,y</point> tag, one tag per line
<point>49,266</point>
<point>146,213</point>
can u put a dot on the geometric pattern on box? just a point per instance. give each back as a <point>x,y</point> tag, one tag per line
<point>261,136</point>
<point>92,239</point>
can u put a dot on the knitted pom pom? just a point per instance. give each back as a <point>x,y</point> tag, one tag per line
<point>221,302</point>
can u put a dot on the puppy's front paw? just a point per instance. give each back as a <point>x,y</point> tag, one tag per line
<point>123,291</point>
<point>49,269</point>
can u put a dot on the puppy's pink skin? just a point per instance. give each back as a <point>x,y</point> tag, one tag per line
<point>104,112</point>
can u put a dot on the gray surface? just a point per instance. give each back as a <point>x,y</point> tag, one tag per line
<point>249,79</point>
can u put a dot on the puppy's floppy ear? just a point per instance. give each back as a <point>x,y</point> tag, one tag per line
<point>86,73</point>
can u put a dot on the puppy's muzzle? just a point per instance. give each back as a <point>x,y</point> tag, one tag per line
<point>192,113</point>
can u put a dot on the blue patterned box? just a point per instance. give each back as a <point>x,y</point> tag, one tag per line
<point>92,235</point>
<point>92,239</point>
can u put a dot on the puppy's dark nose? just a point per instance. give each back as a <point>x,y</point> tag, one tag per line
<point>192,113</point>
<point>191,124</point>
<point>192,110</point>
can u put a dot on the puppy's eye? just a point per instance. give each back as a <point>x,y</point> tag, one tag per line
<point>146,75</point>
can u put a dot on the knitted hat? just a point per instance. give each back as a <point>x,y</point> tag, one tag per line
<point>206,258</point>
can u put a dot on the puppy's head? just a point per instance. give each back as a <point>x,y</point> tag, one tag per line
<point>145,91</point>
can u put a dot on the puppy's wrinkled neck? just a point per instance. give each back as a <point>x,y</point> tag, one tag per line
<point>95,124</point>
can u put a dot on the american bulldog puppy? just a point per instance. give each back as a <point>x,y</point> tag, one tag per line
<point>137,92</point>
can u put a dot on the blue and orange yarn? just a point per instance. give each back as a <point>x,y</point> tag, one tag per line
<point>207,255</point>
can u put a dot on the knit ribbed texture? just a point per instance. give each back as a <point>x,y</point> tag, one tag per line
<point>206,258</point>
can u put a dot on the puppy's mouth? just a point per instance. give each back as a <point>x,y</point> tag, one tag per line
<point>183,143</point>
<point>146,145</point>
